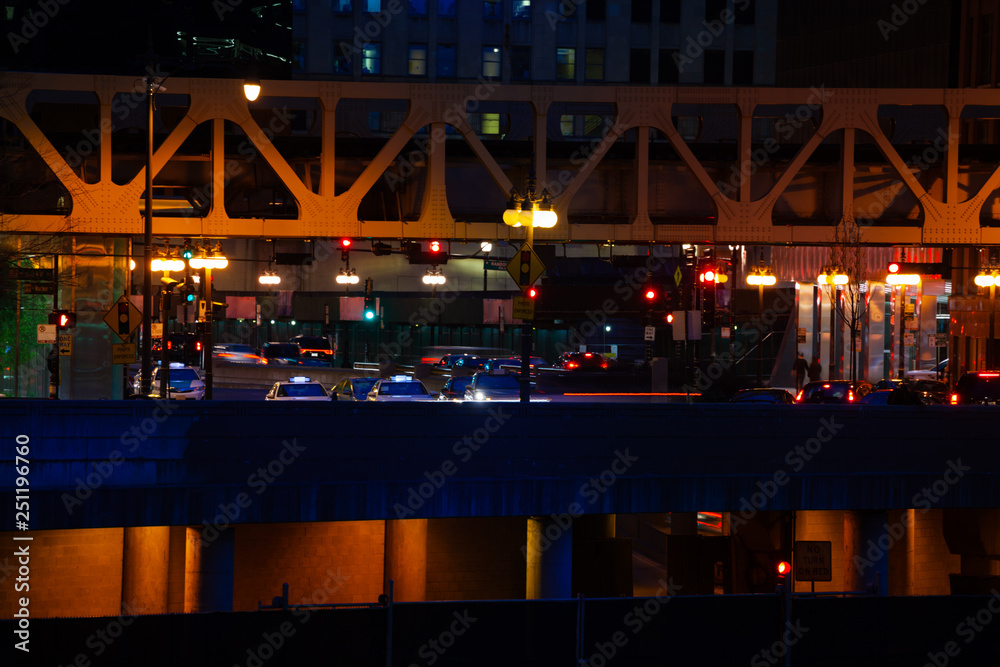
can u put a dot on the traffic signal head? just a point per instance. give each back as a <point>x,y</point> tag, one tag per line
<point>531,292</point>
<point>345,244</point>
<point>63,319</point>
<point>900,273</point>
<point>707,275</point>
<point>649,293</point>
<point>783,568</point>
<point>435,246</point>
<point>369,312</point>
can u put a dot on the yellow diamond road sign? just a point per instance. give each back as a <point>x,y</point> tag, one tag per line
<point>123,318</point>
<point>525,266</point>
<point>678,276</point>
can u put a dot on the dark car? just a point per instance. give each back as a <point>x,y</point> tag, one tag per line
<point>288,354</point>
<point>495,385</point>
<point>877,397</point>
<point>931,392</point>
<point>315,347</point>
<point>583,361</point>
<point>842,392</point>
<point>763,395</point>
<point>977,388</point>
<point>454,388</point>
<point>353,389</point>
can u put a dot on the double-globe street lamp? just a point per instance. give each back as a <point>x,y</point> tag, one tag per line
<point>835,278</point>
<point>528,211</point>
<point>251,90</point>
<point>894,278</point>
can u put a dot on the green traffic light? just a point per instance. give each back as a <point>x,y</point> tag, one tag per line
<point>369,315</point>
<point>188,253</point>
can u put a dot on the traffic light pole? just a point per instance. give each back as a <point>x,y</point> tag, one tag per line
<point>207,348</point>
<point>526,336</point>
<point>164,347</point>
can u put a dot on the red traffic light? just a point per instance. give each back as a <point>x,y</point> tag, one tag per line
<point>532,292</point>
<point>894,267</point>
<point>435,246</point>
<point>670,318</point>
<point>63,319</point>
<point>783,568</point>
<point>345,243</point>
<point>650,294</point>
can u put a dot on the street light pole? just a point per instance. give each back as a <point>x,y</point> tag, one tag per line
<point>147,277</point>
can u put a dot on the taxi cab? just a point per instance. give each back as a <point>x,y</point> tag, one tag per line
<point>185,383</point>
<point>298,388</point>
<point>400,388</point>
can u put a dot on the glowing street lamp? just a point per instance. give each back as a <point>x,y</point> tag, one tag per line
<point>990,277</point>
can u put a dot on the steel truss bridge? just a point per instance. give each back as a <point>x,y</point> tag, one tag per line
<point>669,164</point>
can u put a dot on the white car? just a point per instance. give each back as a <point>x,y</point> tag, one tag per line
<point>298,388</point>
<point>400,388</point>
<point>185,383</point>
<point>935,373</point>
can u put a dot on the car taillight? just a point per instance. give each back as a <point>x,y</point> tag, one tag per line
<point>170,344</point>
<point>604,365</point>
<point>587,354</point>
<point>850,396</point>
<point>954,399</point>
<point>224,354</point>
<point>572,365</point>
<point>197,346</point>
<point>798,397</point>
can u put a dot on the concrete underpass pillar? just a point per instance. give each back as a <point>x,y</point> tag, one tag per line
<point>145,570</point>
<point>602,565</point>
<point>209,569</point>
<point>406,559</point>
<point>868,540</point>
<point>549,555</point>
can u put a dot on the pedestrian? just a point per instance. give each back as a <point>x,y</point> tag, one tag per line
<point>815,370</point>
<point>800,367</point>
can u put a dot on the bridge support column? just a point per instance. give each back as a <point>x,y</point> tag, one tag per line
<point>208,575</point>
<point>602,565</point>
<point>406,559</point>
<point>145,570</point>
<point>868,540</point>
<point>549,553</point>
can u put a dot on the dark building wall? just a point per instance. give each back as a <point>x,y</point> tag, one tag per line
<point>883,43</point>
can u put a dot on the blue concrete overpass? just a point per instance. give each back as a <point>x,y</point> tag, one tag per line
<point>103,464</point>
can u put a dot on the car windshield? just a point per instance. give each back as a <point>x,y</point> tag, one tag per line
<point>183,375</point>
<point>281,351</point>
<point>297,390</point>
<point>401,388</point>
<point>362,386</point>
<point>497,382</point>
<point>827,389</point>
<point>459,384</point>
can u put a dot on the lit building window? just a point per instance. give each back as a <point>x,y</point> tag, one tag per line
<point>371,59</point>
<point>522,10</point>
<point>373,6</point>
<point>446,60</point>
<point>566,64</point>
<point>491,62</point>
<point>595,65</point>
<point>491,123</point>
<point>418,60</point>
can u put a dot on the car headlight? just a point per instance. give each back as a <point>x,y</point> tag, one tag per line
<point>480,396</point>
